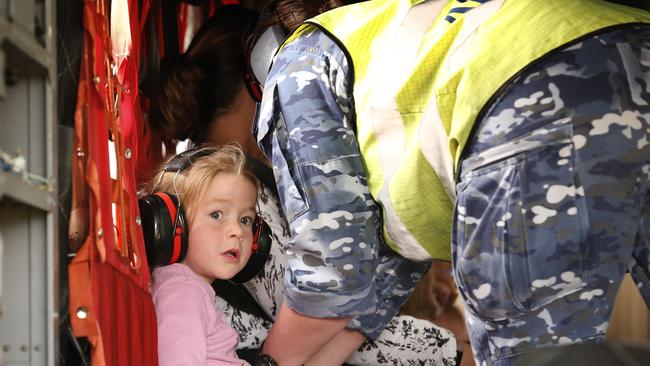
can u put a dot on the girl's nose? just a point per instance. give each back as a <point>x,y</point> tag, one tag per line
<point>235,229</point>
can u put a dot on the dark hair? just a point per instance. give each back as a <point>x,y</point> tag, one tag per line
<point>202,83</point>
<point>289,14</point>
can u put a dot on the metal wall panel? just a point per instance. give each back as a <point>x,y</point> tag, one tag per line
<point>15,322</point>
<point>28,213</point>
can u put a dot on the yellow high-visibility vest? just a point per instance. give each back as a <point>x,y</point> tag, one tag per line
<point>423,71</point>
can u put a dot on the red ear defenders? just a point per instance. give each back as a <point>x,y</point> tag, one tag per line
<point>165,227</point>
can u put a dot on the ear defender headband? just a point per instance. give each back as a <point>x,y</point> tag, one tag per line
<point>165,227</point>
<point>260,59</point>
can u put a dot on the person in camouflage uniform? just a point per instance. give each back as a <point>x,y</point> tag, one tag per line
<point>553,203</point>
<point>306,127</point>
<point>569,135</point>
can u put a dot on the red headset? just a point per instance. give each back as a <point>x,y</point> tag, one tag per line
<point>165,227</point>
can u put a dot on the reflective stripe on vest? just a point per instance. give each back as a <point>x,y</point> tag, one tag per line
<point>387,122</point>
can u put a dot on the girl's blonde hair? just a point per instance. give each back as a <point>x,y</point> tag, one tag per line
<point>190,184</point>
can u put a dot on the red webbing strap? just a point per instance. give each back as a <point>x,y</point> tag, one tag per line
<point>83,305</point>
<point>129,266</point>
<point>109,276</point>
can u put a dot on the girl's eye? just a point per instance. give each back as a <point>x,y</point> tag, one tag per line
<point>217,215</point>
<point>246,220</point>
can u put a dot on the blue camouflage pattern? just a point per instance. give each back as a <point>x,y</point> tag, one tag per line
<point>338,263</point>
<point>553,202</point>
<point>404,341</point>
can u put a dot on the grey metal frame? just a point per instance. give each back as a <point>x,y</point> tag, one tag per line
<point>29,215</point>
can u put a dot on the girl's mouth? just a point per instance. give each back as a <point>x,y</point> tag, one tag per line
<point>232,254</point>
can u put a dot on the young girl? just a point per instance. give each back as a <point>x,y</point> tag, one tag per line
<point>218,195</point>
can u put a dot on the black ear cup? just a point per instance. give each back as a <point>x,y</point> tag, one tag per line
<point>261,248</point>
<point>165,240</point>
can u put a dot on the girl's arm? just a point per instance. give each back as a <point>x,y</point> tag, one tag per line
<point>182,325</point>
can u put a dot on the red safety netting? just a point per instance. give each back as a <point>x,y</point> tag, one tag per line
<point>110,303</point>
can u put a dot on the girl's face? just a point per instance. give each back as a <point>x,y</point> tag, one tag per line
<point>221,228</point>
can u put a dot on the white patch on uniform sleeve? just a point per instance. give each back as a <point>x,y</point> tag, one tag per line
<point>324,220</point>
<point>548,282</point>
<point>643,142</point>
<point>302,79</point>
<point>542,214</point>
<point>557,193</point>
<point>559,103</point>
<point>318,69</point>
<point>483,291</point>
<point>629,119</point>
<point>504,218</point>
<point>591,294</point>
<point>523,102</point>
<point>602,328</point>
<point>565,152</point>
<point>570,277</point>
<point>509,342</point>
<point>337,243</point>
<point>545,315</point>
<point>579,141</point>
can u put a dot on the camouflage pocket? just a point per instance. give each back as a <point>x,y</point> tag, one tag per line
<point>520,225</point>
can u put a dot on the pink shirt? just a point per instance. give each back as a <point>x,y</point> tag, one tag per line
<point>190,330</point>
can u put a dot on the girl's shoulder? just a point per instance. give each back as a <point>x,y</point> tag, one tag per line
<point>179,279</point>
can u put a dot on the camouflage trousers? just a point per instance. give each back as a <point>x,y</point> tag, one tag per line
<point>553,200</point>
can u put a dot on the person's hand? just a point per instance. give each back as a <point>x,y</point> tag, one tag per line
<point>435,293</point>
<point>442,290</point>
